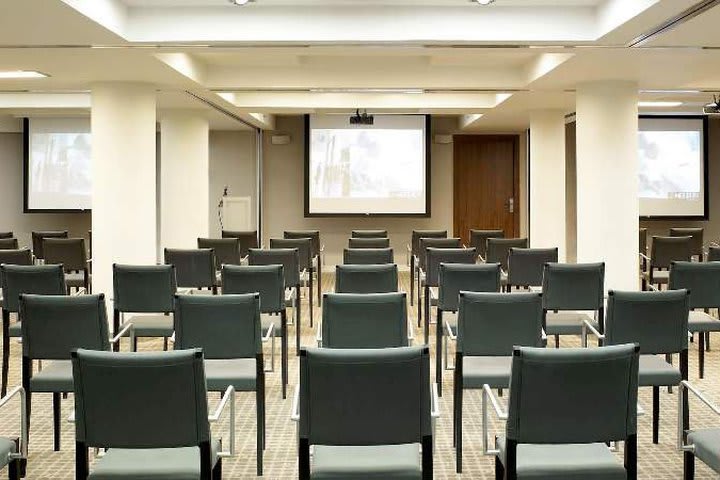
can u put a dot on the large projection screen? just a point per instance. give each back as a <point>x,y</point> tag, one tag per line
<point>379,169</point>
<point>672,167</point>
<point>57,164</point>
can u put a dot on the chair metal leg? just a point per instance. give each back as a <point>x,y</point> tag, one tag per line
<point>630,454</point>
<point>297,322</point>
<point>217,470</point>
<point>319,280</point>
<point>304,459</point>
<point>458,415</point>
<point>26,373</point>
<point>419,308</point>
<point>438,348</point>
<point>707,341</point>
<point>412,280</point>
<point>655,413</point>
<point>701,354</point>
<point>165,343</point>
<point>6,350</point>
<point>688,466</point>
<point>310,295</point>
<point>427,457</point>
<point>56,420</point>
<point>260,413</point>
<point>116,329</point>
<point>14,469</point>
<point>499,469</point>
<point>82,464</point>
<point>557,341</point>
<point>426,327</point>
<point>284,352</point>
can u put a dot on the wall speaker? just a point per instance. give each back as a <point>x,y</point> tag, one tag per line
<point>443,139</point>
<point>280,139</point>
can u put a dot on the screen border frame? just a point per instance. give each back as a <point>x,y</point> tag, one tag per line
<point>706,150</point>
<point>306,175</point>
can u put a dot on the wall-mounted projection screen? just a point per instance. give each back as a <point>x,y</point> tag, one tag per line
<point>57,164</point>
<point>379,169</point>
<point>673,167</point>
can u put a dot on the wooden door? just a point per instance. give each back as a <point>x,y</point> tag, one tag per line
<point>486,184</point>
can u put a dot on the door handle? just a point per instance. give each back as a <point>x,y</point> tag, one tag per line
<point>511,205</point>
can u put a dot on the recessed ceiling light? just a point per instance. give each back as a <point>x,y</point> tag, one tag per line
<point>659,104</point>
<point>22,74</point>
<point>239,2</point>
<point>485,2</point>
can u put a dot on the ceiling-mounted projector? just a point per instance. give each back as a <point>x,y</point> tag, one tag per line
<point>712,108</point>
<point>362,118</point>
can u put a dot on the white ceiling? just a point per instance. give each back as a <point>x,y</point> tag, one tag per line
<point>219,3</point>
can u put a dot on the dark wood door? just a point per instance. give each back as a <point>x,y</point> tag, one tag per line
<point>486,180</point>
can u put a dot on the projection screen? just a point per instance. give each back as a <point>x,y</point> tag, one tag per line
<point>378,169</point>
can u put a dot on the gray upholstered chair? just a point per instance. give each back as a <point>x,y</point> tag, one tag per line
<point>420,263</point>
<point>364,320</point>
<point>16,280</point>
<point>14,257</point>
<point>478,239</point>
<point>13,451</point>
<point>227,328</point>
<point>317,252</point>
<point>703,443</point>
<point>368,256</point>
<point>52,327</point>
<point>367,242</point>
<point>150,411</point>
<point>452,279</point>
<point>8,244</point>
<point>194,268</point>
<point>268,281</point>
<point>369,234</point>
<point>72,255</point>
<point>525,266</point>
<point>248,239</point>
<point>664,251</point>
<point>7,235</point>
<point>368,413</point>
<point>658,322</point>
<point>146,293</point>
<point>565,406</point>
<point>413,249</point>
<point>381,278</point>
<point>696,242</point>
<point>489,326</point>
<point>498,251</point>
<point>37,241</point>
<point>306,262</point>
<point>573,293</point>
<point>227,252</point>
<point>702,280</point>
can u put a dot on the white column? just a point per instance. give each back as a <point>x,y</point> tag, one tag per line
<point>184,179</point>
<point>607,180</point>
<point>547,180</point>
<point>124,187</point>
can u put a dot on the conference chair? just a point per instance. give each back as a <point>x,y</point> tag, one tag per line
<point>145,293</point>
<point>478,239</point>
<point>13,451</point>
<point>52,327</point>
<point>369,234</point>
<point>414,247</point>
<point>498,251</point>
<point>16,280</point>
<point>452,279</point>
<point>702,280</point>
<point>364,320</point>
<point>698,442</point>
<point>658,322</point>
<point>369,242</point>
<point>525,266</point>
<point>664,251</point>
<point>430,277</point>
<point>150,412</point>
<point>7,235</point>
<point>71,254</point>
<point>227,252</point>
<point>268,281</point>
<point>368,256</point>
<point>366,278</point>
<point>304,247</point>
<point>565,408</point>
<point>573,294</point>
<point>21,256</point>
<point>317,253</point>
<point>37,241</point>
<point>227,329</point>
<point>696,242</point>
<point>713,254</point>
<point>421,262</point>
<point>194,268</point>
<point>489,326</point>
<point>368,413</point>
<point>8,244</point>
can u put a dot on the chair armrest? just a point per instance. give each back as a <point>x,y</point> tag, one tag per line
<point>270,332</point>
<point>588,326</point>
<point>434,401</point>
<point>318,335</point>
<point>80,291</point>
<point>653,287</point>
<point>501,415</point>
<point>411,332</point>
<point>448,331</point>
<point>22,450</point>
<point>543,337</point>
<point>227,398</point>
<point>244,260</point>
<point>295,413</point>
<point>482,259</point>
<point>685,385</point>
<point>643,256</point>
<point>127,328</point>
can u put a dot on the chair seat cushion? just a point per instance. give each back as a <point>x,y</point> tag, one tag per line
<point>15,329</point>
<point>699,321</point>
<point>7,447</point>
<point>266,319</point>
<point>76,279</point>
<point>659,276</point>
<point>655,371</point>
<point>477,371</point>
<point>151,464</point>
<point>153,325</point>
<point>707,446</point>
<point>392,462</point>
<point>592,461</point>
<point>238,372</point>
<point>56,376</point>
<point>567,323</point>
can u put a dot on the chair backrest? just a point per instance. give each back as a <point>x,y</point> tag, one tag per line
<point>15,257</point>
<point>224,326</point>
<point>304,247</point>
<point>490,324</point>
<point>437,256</point>
<point>8,243</point>
<point>498,249</point>
<point>696,235</point>
<point>248,239</point>
<point>642,241</point>
<point>364,396</point>
<point>552,389</point>
<point>364,320</point>
<point>267,280</point>
<point>144,288</point>
<point>478,239</point>
<point>364,256</point>
<point>713,254</point>
<point>579,286</point>
<point>140,400</point>
<point>37,240</point>
<point>457,277</point>
<point>7,234</point>
<point>418,234</point>
<point>313,234</point>
<point>227,250</point>
<point>525,265</point>
<point>287,257</point>
<point>702,280</point>
<point>38,279</point>
<point>381,278</point>
<point>55,325</point>
<point>367,242</point>
<point>194,268</point>
<point>369,234</point>
<point>69,252</point>
<point>433,242</point>
<point>665,250</point>
<point>657,321</point>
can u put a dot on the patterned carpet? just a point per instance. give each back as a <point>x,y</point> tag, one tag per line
<point>656,462</point>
